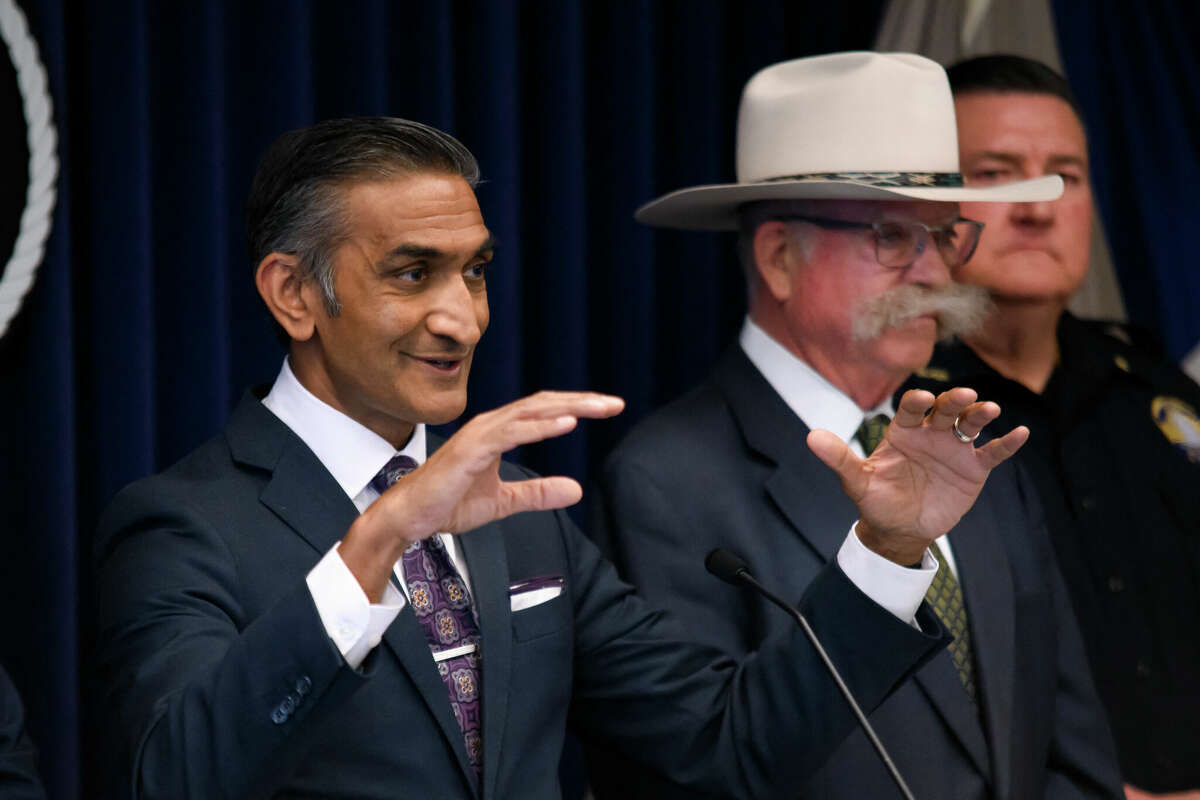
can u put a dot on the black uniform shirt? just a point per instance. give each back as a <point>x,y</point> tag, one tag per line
<point>1123,505</point>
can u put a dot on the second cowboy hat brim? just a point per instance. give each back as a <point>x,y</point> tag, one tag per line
<point>715,207</point>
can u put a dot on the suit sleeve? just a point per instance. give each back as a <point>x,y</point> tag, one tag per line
<point>645,688</point>
<point>182,670</point>
<point>658,544</point>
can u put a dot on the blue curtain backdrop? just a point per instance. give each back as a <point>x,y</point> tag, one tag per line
<point>144,328</point>
<point>1137,73</point>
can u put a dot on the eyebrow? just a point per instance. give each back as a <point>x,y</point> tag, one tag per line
<point>1064,159</point>
<point>1015,160</point>
<point>996,155</point>
<point>426,253</point>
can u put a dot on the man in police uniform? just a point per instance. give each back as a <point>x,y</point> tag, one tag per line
<point>1114,425</point>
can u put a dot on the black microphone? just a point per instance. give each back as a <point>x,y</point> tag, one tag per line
<point>731,568</point>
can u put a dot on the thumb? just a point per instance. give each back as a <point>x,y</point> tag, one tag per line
<point>838,456</point>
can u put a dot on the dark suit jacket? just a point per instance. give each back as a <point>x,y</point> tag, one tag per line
<point>218,680</point>
<point>727,465</point>
<point>18,757</point>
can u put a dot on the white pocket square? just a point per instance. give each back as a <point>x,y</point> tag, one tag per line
<point>533,592</point>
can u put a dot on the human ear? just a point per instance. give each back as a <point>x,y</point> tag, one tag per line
<point>774,259</point>
<point>288,298</point>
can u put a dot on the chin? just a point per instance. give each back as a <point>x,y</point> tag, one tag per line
<point>1026,293</point>
<point>1030,277</point>
<point>441,413</point>
<point>909,350</point>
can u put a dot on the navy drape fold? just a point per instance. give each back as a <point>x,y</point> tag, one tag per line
<point>144,327</point>
<point>1137,75</point>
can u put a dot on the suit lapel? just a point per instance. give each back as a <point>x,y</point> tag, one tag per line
<point>822,524</point>
<point>987,592</point>
<point>810,497</point>
<point>773,430</point>
<point>303,494</point>
<point>989,595</point>
<point>939,681</point>
<point>487,563</point>
<point>406,640</point>
<point>300,491</point>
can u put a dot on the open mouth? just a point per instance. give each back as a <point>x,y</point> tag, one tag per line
<point>447,365</point>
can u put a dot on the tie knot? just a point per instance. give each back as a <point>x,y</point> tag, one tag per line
<point>395,469</point>
<point>870,433</point>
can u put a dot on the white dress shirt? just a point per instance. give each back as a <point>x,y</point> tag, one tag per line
<point>821,405</point>
<point>353,454</point>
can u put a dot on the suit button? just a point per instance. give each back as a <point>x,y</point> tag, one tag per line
<point>1143,669</point>
<point>1088,502</point>
<point>303,686</point>
<point>1115,584</point>
<point>278,716</point>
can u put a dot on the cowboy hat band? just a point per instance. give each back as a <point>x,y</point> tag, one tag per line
<point>843,126</point>
<point>881,178</point>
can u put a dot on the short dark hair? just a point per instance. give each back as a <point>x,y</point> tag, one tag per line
<point>1008,73</point>
<point>295,203</point>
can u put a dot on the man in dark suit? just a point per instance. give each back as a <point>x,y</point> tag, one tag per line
<point>323,602</point>
<point>849,287</point>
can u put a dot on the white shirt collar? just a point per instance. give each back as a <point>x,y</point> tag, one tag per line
<point>351,452</point>
<point>811,397</point>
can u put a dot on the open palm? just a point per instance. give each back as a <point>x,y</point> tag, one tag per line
<point>921,478</point>
<point>459,487</point>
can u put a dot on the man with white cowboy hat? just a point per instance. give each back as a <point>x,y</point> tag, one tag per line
<point>846,203</point>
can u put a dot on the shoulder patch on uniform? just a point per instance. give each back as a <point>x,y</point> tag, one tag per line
<point>1179,423</point>
<point>934,374</point>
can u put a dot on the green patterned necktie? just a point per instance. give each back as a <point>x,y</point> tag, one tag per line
<point>945,595</point>
<point>870,433</point>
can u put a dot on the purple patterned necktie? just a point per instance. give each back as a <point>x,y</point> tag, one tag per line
<point>442,603</point>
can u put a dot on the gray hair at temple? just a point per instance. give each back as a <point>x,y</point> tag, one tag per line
<point>752,215</point>
<point>296,198</point>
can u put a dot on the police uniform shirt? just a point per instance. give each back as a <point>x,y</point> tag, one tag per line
<point>1115,451</point>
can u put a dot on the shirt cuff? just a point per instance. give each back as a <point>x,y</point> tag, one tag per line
<point>898,589</point>
<point>353,623</point>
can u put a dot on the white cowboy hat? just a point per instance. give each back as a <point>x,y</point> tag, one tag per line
<point>844,126</point>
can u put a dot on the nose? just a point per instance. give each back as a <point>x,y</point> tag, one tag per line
<point>1039,214</point>
<point>929,269</point>
<point>457,313</point>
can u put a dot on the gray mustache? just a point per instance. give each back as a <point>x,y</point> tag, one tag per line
<point>959,308</point>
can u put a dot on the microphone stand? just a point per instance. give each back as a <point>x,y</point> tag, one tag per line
<point>732,569</point>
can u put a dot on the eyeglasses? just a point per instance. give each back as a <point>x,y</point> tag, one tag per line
<point>900,244</point>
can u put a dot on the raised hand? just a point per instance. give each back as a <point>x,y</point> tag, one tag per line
<point>922,477</point>
<point>459,487</point>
